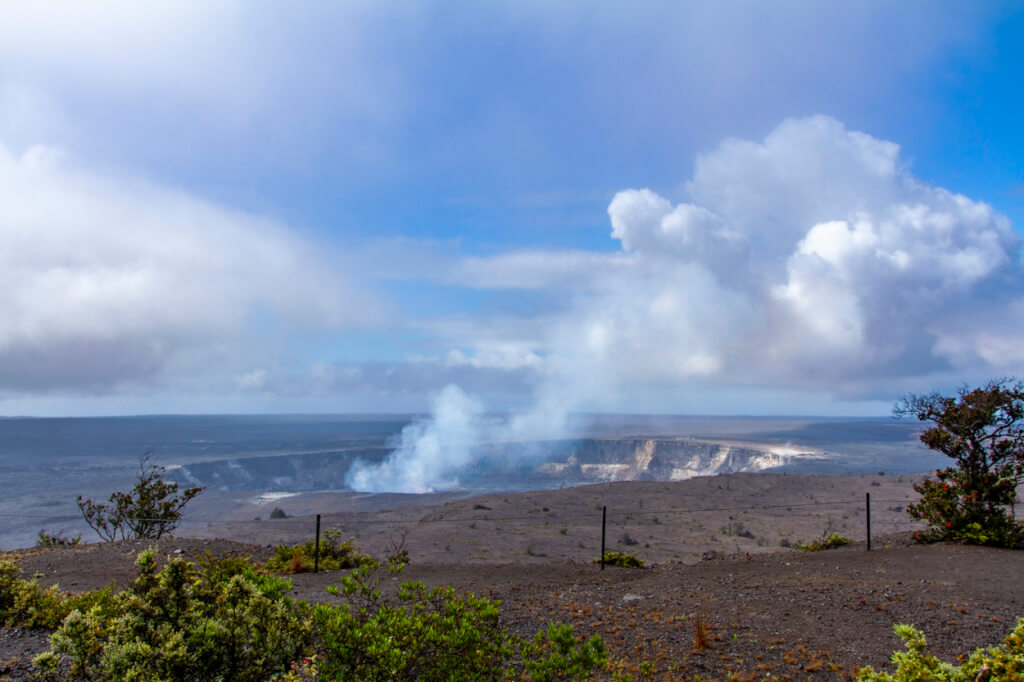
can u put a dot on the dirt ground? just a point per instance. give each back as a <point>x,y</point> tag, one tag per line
<point>772,611</point>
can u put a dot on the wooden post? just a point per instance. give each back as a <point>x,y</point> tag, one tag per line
<point>867,507</point>
<point>604,520</point>
<point>316,556</point>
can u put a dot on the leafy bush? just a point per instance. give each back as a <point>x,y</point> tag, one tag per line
<point>623,559</point>
<point>982,430</point>
<point>830,542</point>
<point>278,513</point>
<point>25,603</point>
<point>153,508</point>
<point>1004,662</point>
<point>555,654</point>
<point>174,624</point>
<point>435,634</point>
<point>222,619</point>
<point>334,554</point>
<point>948,510</point>
<point>48,540</point>
<point>420,634</point>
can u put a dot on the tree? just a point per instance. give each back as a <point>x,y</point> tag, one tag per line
<point>153,508</point>
<point>982,430</point>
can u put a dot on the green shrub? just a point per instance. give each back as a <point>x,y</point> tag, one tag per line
<point>278,513</point>
<point>25,603</point>
<point>555,654</point>
<point>181,623</point>
<point>1003,662</point>
<point>222,619</point>
<point>623,559</point>
<point>982,431</point>
<point>334,554</point>
<point>435,634</point>
<point>825,542</point>
<point>152,510</point>
<point>47,540</point>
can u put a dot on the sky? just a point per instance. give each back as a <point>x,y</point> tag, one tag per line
<point>527,207</point>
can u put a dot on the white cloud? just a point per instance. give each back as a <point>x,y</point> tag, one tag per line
<point>110,279</point>
<point>505,356</point>
<point>812,259</point>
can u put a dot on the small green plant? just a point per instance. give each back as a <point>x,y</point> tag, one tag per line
<point>826,542</point>
<point>623,559</point>
<point>151,510</point>
<point>334,554</point>
<point>555,654</point>
<point>1003,662</point>
<point>278,513</point>
<point>26,603</point>
<point>49,540</point>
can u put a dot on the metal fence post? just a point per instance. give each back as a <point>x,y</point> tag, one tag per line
<point>316,555</point>
<point>604,520</point>
<point>867,507</point>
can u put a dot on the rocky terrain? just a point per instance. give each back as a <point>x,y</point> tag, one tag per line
<point>716,557</point>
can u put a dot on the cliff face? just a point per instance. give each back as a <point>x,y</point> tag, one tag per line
<point>507,466</point>
<point>650,459</point>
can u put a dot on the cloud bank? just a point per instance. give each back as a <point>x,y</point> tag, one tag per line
<point>108,280</point>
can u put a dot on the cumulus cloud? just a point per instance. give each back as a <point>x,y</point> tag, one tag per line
<point>807,259</point>
<point>812,260</point>
<point>106,279</point>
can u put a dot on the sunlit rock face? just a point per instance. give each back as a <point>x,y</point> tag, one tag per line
<point>651,459</point>
<point>504,466</point>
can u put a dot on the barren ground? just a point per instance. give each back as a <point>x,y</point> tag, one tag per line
<point>772,611</point>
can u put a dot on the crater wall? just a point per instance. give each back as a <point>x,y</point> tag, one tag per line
<point>500,466</point>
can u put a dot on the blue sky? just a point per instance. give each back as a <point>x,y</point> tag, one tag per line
<point>734,207</point>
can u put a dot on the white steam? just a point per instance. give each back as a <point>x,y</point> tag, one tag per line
<point>431,453</point>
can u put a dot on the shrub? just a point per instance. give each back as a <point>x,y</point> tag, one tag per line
<point>420,634</point>
<point>556,654</point>
<point>153,508</point>
<point>25,603</point>
<point>981,430</point>
<point>623,559</point>
<point>334,554</point>
<point>278,513</point>
<point>47,540</point>
<point>1003,662</point>
<point>174,624</point>
<point>830,542</point>
<point>435,634</point>
<point>223,619</point>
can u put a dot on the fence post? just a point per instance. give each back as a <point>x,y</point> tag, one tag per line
<point>867,508</point>
<point>604,519</point>
<point>316,554</point>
